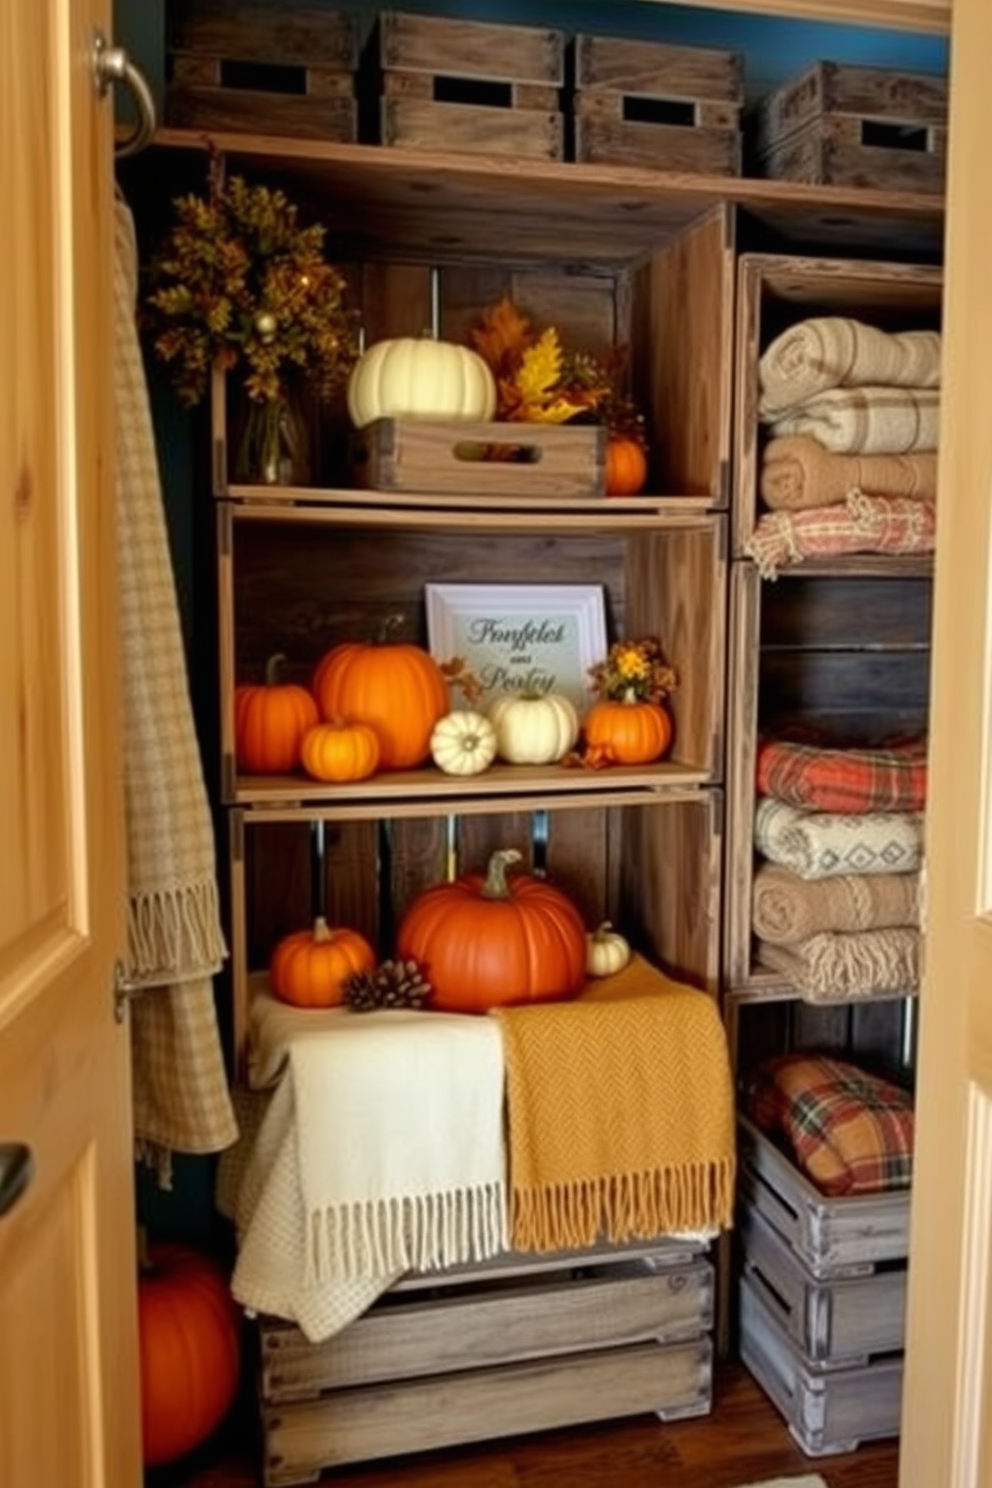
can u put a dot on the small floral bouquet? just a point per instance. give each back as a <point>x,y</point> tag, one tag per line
<point>634,671</point>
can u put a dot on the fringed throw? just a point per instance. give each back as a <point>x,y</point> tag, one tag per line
<point>849,966</point>
<point>861,524</point>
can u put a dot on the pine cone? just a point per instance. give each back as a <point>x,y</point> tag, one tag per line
<point>393,984</point>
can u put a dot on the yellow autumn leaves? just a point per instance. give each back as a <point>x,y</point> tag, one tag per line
<point>536,382</point>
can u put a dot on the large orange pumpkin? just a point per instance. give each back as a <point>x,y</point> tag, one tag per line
<point>394,686</point>
<point>270,721</point>
<point>629,731</point>
<point>487,940</point>
<point>310,967</point>
<point>190,1350</point>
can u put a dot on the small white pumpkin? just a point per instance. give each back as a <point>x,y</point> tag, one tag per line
<point>418,377</point>
<point>533,730</point>
<point>607,952</point>
<point>463,742</point>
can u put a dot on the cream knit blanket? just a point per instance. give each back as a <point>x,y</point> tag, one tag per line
<point>833,351</point>
<point>869,420</point>
<point>823,844</point>
<point>175,943</point>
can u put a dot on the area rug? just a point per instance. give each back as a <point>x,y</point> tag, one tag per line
<point>811,1480</point>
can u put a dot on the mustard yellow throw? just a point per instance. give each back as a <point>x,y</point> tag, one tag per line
<point>620,1113</point>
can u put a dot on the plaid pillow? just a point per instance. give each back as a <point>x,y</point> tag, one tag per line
<point>849,1131</point>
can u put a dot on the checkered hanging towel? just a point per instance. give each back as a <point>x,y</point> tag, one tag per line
<point>175,942</point>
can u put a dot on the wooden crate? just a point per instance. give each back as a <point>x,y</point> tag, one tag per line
<point>664,107</point>
<point>470,86</point>
<point>828,1411</point>
<point>843,1320</point>
<point>832,1238</point>
<point>867,127</point>
<point>260,67</point>
<point>436,455</point>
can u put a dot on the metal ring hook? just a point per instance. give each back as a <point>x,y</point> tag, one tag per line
<point>113,65</point>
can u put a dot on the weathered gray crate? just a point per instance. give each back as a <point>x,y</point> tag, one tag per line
<point>664,107</point>
<point>845,1320</point>
<point>827,1410</point>
<point>832,1237</point>
<point>841,125</point>
<point>262,67</point>
<point>468,86</point>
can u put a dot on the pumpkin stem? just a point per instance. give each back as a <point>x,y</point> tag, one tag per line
<point>321,934</point>
<point>496,886</point>
<point>388,627</point>
<point>603,931</point>
<point>272,668</point>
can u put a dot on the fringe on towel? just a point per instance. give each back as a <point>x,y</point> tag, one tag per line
<point>624,1206</point>
<point>174,935</point>
<point>422,1232</point>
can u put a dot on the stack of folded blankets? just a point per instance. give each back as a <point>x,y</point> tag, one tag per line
<point>850,466</point>
<point>836,898</point>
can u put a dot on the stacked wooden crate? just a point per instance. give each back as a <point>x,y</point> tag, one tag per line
<point>645,103</point>
<point>839,125</point>
<point>471,86</point>
<point>822,1300</point>
<point>258,66</point>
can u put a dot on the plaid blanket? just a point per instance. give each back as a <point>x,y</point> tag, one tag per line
<point>830,351</point>
<point>861,524</point>
<point>849,1131</point>
<point>850,781</point>
<point>868,420</point>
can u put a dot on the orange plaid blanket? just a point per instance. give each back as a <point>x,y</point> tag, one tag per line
<point>850,1132</point>
<point>861,524</point>
<point>851,781</point>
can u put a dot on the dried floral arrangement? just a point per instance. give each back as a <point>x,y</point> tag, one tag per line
<point>538,380</point>
<point>634,669</point>
<point>236,281</point>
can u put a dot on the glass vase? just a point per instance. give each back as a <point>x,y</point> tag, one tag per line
<point>274,443</point>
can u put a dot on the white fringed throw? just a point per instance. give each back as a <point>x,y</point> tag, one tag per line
<point>175,943</point>
<point>399,1135</point>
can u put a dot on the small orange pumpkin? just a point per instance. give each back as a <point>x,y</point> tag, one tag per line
<point>270,721</point>
<point>189,1330</point>
<point>626,466</point>
<point>310,967</point>
<point>340,752</point>
<point>630,731</point>
<point>395,686</point>
<point>488,941</point>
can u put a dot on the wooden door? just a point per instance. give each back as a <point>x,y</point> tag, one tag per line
<point>68,1367</point>
<point>947,1414</point>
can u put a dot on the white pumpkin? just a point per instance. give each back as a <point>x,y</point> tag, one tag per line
<point>607,952</point>
<point>534,730</point>
<point>418,377</point>
<point>463,742</point>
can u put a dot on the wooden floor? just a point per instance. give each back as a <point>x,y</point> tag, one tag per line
<point>743,1441</point>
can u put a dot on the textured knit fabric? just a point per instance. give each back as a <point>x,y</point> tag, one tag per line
<point>861,524</point>
<point>175,943</point>
<point>833,351</point>
<point>844,966</point>
<point>797,472</point>
<point>849,1131</point>
<point>787,909</point>
<point>825,844</point>
<point>620,1113</point>
<point>868,420</point>
<point>844,780</point>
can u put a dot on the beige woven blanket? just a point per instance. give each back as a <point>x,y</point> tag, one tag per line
<point>833,351</point>
<point>826,844</point>
<point>870,420</point>
<point>786,909</point>
<point>175,943</point>
<point>844,967</point>
<point>797,472</point>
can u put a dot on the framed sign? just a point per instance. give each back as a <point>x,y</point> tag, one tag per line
<point>518,638</point>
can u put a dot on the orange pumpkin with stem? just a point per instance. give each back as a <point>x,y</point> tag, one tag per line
<point>339,752</point>
<point>628,731</point>
<point>310,967</point>
<point>626,465</point>
<point>394,686</point>
<point>270,721</point>
<point>489,940</point>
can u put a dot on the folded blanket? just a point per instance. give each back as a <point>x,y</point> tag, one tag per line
<point>620,1111</point>
<point>868,420</point>
<point>797,472</point>
<point>399,1134</point>
<point>827,844</point>
<point>786,909</point>
<point>846,965</point>
<point>844,780</point>
<point>850,1131</point>
<point>832,351</point>
<point>861,524</point>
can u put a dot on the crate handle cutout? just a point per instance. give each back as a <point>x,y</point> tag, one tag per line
<point>675,111</point>
<point>473,91</point>
<point>264,77</point>
<point>504,450</point>
<point>912,137</point>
